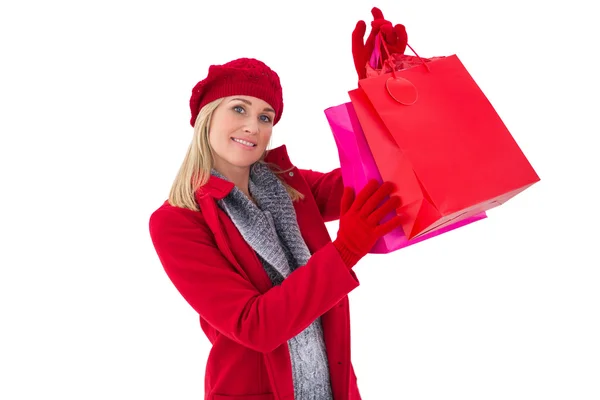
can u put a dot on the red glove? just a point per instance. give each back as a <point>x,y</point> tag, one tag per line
<point>359,220</point>
<point>395,38</point>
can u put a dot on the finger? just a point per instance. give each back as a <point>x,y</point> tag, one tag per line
<point>377,14</point>
<point>347,200</point>
<point>365,193</point>
<point>387,31</point>
<point>378,23</point>
<point>382,192</point>
<point>360,53</point>
<point>358,33</point>
<point>388,226</point>
<point>375,27</point>
<point>402,36</point>
<point>401,32</point>
<point>390,205</point>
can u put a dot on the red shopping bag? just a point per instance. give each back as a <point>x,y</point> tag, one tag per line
<point>358,167</point>
<point>435,134</point>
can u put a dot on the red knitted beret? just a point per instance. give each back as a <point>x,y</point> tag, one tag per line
<point>244,76</point>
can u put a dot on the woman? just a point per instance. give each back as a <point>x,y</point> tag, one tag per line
<point>242,237</point>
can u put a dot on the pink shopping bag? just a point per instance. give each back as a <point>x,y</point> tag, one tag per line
<point>358,167</point>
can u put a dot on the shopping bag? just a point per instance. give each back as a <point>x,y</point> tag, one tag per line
<point>358,167</point>
<point>434,133</point>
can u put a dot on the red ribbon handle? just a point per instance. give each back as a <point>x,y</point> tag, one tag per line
<point>389,62</point>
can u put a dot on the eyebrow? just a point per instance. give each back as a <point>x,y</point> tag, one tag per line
<point>250,103</point>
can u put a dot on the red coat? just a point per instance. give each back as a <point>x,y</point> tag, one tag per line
<point>248,321</point>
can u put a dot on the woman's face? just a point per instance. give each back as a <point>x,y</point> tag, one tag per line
<point>240,130</point>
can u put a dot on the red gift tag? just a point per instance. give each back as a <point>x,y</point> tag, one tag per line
<point>402,90</point>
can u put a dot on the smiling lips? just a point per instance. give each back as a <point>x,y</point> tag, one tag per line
<point>244,143</point>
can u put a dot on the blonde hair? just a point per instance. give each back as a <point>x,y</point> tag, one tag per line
<point>198,162</point>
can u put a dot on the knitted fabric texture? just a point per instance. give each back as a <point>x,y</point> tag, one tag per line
<point>271,229</point>
<point>244,76</point>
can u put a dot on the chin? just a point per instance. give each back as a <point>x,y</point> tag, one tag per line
<point>240,158</point>
<point>243,162</point>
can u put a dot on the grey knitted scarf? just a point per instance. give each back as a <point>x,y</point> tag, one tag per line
<point>271,229</point>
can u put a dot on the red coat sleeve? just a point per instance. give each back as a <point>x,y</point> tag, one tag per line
<point>228,301</point>
<point>327,189</point>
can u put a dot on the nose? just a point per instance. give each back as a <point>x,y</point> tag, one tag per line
<point>251,127</point>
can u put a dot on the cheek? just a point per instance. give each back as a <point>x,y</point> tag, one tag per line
<point>267,136</point>
<point>225,124</point>
<point>219,136</point>
<point>217,142</point>
<point>211,137</point>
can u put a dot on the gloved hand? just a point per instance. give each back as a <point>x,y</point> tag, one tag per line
<point>360,220</point>
<point>395,38</point>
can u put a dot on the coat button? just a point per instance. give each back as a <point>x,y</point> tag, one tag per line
<point>291,173</point>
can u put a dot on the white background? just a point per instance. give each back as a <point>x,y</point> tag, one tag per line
<point>94,125</point>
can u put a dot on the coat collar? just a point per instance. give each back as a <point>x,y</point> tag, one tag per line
<point>218,188</point>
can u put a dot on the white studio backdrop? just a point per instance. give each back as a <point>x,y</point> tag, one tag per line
<point>94,125</point>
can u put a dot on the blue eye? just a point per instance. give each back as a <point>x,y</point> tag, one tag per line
<point>238,108</point>
<point>266,118</point>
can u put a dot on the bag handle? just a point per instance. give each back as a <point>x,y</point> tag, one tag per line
<point>379,40</point>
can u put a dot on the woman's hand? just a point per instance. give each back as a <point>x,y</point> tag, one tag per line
<point>395,38</point>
